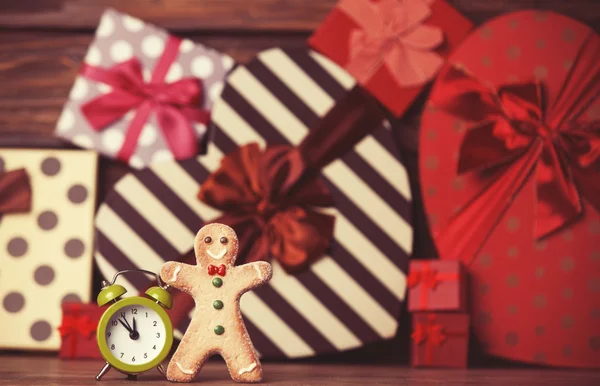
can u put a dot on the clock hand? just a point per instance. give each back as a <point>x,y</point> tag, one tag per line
<point>134,329</point>
<point>126,325</point>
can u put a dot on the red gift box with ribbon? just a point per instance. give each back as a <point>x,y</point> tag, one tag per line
<point>440,340</point>
<point>393,48</point>
<point>510,140</point>
<point>436,285</point>
<point>78,331</point>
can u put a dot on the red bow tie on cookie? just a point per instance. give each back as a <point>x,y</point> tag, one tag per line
<point>214,270</point>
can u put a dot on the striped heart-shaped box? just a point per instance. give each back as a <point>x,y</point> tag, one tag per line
<point>349,298</point>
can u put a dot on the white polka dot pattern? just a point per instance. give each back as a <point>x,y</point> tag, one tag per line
<point>121,51</point>
<point>202,66</point>
<point>153,46</point>
<point>60,225</point>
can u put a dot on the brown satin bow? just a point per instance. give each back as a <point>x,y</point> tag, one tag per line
<point>270,196</point>
<point>516,136</point>
<point>259,193</point>
<point>15,192</point>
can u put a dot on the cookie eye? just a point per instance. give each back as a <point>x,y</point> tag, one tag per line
<point>208,240</point>
<point>223,240</point>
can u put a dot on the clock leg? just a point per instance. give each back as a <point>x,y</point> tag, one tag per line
<point>162,370</point>
<point>103,371</point>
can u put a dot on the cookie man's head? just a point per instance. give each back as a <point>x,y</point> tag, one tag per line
<point>216,244</point>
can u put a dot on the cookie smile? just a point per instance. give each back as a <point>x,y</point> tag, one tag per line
<point>219,256</point>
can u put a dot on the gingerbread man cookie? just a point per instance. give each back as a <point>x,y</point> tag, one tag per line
<point>217,326</point>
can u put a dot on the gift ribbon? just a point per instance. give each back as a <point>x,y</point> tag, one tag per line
<point>516,138</point>
<point>15,192</point>
<point>429,278</point>
<point>433,335</point>
<point>174,104</point>
<point>391,33</point>
<point>75,325</point>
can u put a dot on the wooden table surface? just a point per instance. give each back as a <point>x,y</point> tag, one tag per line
<point>48,371</point>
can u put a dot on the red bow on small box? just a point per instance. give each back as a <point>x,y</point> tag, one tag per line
<point>176,105</point>
<point>429,278</point>
<point>431,334</point>
<point>518,138</point>
<point>15,192</point>
<point>76,326</point>
<point>393,35</point>
<point>214,270</point>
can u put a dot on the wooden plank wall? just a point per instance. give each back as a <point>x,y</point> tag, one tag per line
<point>42,43</point>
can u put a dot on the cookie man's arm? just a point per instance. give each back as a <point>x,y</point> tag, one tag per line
<point>252,275</point>
<point>177,275</point>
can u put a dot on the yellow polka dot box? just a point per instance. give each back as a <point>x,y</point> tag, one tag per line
<point>142,95</point>
<point>509,162</point>
<point>47,202</point>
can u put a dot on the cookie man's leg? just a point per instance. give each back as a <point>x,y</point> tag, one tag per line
<point>189,356</point>
<point>242,361</point>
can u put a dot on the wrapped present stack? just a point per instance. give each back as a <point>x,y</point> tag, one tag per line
<point>437,299</point>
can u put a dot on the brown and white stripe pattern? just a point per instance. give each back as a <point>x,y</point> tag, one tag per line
<point>346,299</point>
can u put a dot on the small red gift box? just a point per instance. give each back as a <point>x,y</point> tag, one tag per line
<point>78,331</point>
<point>392,48</point>
<point>440,340</point>
<point>436,285</point>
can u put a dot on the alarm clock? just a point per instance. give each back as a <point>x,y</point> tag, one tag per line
<point>134,334</point>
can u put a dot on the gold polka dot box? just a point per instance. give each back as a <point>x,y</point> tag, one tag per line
<point>46,244</point>
<point>141,94</point>
<point>350,294</point>
<point>509,166</point>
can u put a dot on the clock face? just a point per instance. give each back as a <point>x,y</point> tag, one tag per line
<point>135,334</point>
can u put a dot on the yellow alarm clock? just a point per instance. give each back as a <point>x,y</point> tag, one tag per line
<point>134,334</point>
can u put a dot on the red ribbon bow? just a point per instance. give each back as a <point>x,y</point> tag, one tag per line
<point>427,276</point>
<point>174,104</point>
<point>431,333</point>
<point>391,34</point>
<point>15,192</point>
<point>516,136</point>
<point>253,187</point>
<point>81,325</point>
<point>214,270</point>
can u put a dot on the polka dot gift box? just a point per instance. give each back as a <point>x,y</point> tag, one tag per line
<point>339,277</point>
<point>510,171</point>
<point>142,95</point>
<point>45,251</point>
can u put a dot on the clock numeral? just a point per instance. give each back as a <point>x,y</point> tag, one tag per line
<point>145,355</point>
<point>108,334</point>
<point>134,311</point>
<point>158,334</point>
<point>114,322</point>
<point>154,323</point>
<point>112,346</point>
<point>122,354</point>
<point>133,359</point>
<point>146,314</point>
<point>122,314</point>
<point>154,347</point>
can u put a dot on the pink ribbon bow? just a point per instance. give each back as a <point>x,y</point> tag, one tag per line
<point>175,104</point>
<point>391,34</point>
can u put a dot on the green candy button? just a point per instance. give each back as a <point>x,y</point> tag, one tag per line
<point>217,281</point>
<point>217,304</point>
<point>219,330</point>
